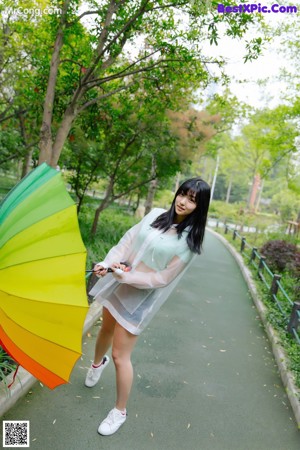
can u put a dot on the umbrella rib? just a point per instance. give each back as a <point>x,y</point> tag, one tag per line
<point>49,214</point>
<point>43,259</point>
<point>45,302</point>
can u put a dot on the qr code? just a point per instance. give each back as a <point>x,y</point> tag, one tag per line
<point>16,433</point>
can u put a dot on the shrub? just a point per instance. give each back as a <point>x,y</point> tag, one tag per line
<point>280,254</point>
<point>7,364</point>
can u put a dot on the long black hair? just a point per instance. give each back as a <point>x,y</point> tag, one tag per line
<point>194,222</point>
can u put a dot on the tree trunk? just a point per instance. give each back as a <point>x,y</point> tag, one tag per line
<point>27,157</point>
<point>229,191</point>
<point>253,194</point>
<point>177,179</point>
<point>104,204</point>
<point>46,133</point>
<point>137,203</point>
<point>150,196</point>
<point>26,163</point>
<point>215,178</point>
<point>62,135</point>
<point>259,196</point>
<point>152,187</point>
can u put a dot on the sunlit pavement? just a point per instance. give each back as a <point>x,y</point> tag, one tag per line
<point>205,378</point>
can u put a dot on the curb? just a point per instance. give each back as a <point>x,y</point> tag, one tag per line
<point>292,391</point>
<point>24,380</point>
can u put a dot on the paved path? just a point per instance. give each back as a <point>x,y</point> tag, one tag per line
<point>205,378</point>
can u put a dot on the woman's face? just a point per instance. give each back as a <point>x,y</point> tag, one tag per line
<point>185,204</point>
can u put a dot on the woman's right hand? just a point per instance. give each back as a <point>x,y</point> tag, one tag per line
<point>99,270</point>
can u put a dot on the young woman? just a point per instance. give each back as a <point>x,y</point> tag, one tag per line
<point>159,250</point>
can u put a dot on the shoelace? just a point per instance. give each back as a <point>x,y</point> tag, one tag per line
<point>112,417</point>
<point>91,372</point>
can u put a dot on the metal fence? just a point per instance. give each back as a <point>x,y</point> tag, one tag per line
<point>289,310</point>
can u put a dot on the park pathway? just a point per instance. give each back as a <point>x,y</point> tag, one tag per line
<point>205,378</point>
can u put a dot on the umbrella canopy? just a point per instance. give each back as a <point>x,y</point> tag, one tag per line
<point>43,300</point>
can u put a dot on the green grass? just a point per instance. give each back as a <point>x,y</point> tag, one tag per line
<point>7,365</point>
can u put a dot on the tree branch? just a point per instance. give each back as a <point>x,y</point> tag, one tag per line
<point>124,70</point>
<point>133,72</point>
<point>101,49</point>
<point>95,100</point>
<point>126,26</point>
<point>86,13</point>
<point>115,197</point>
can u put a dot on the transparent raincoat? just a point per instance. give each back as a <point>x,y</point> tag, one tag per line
<point>158,260</point>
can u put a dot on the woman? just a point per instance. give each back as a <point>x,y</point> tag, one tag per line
<point>158,249</point>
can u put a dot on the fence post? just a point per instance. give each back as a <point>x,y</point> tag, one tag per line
<point>243,243</point>
<point>274,285</point>
<point>226,229</point>
<point>261,266</point>
<point>294,320</point>
<point>234,234</point>
<point>261,262</point>
<point>253,253</point>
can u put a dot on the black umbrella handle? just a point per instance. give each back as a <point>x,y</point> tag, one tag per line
<point>109,269</point>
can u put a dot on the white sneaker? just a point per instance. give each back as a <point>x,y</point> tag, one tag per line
<point>112,422</point>
<point>94,373</point>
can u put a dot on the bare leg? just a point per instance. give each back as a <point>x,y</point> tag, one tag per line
<point>105,336</point>
<point>123,344</point>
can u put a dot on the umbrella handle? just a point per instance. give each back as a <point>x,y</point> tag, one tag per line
<point>117,271</point>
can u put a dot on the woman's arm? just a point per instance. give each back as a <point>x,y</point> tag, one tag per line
<point>152,280</point>
<point>119,251</point>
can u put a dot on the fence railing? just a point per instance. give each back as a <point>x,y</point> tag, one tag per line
<point>289,310</point>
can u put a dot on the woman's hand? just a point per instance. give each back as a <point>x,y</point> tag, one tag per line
<point>99,270</point>
<point>119,266</point>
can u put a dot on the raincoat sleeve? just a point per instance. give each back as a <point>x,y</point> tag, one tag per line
<point>153,279</point>
<point>119,252</point>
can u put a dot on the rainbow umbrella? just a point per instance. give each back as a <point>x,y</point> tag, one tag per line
<point>43,300</point>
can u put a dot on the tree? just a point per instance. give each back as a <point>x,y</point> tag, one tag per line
<point>193,129</point>
<point>225,110</point>
<point>104,68</point>
<point>23,43</point>
<point>82,158</point>
<point>119,143</point>
<point>268,138</point>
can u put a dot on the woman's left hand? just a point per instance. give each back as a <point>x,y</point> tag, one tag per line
<point>117,267</point>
